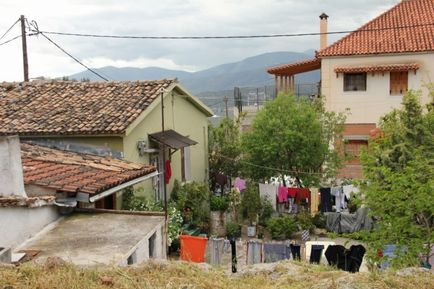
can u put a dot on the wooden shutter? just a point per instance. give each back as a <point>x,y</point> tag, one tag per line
<point>398,82</point>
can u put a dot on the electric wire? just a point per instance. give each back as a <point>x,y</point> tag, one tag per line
<point>74,58</point>
<point>10,28</point>
<point>270,168</point>
<point>10,40</point>
<point>228,36</point>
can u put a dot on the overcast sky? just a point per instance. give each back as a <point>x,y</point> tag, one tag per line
<point>168,18</point>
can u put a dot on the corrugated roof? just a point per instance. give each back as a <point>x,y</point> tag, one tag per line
<point>172,139</point>
<point>74,108</point>
<point>407,27</point>
<point>67,171</point>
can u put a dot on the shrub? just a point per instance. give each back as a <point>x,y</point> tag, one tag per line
<point>131,202</point>
<point>193,199</point>
<point>320,221</point>
<point>282,227</point>
<point>233,229</point>
<point>251,203</point>
<point>175,223</point>
<point>266,211</point>
<point>219,203</point>
<point>305,221</point>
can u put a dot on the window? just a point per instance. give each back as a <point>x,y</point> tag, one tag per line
<point>186,164</point>
<point>398,82</point>
<point>355,81</point>
<point>353,148</point>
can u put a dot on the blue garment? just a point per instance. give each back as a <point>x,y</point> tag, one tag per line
<point>276,252</point>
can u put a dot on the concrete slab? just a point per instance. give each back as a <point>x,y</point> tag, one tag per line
<point>89,239</point>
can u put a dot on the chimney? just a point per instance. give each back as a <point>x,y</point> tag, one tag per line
<point>323,31</point>
<point>11,170</point>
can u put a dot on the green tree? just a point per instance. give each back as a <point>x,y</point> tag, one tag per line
<point>296,135</point>
<point>398,169</point>
<point>225,147</point>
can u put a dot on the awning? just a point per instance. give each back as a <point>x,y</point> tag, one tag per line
<point>296,67</point>
<point>378,68</point>
<point>172,139</point>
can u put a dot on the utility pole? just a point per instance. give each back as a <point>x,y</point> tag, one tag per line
<point>226,106</point>
<point>24,41</point>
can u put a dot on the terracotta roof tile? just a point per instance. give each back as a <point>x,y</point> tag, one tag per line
<point>74,172</point>
<point>415,22</point>
<point>296,67</point>
<point>65,107</point>
<point>378,68</point>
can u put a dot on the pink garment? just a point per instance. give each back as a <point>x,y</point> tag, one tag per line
<point>240,184</point>
<point>282,194</point>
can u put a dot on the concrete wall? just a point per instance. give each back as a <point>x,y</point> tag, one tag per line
<point>17,224</point>
<point>140,252</point>
<point>11,170</point>
<point>368,106</point>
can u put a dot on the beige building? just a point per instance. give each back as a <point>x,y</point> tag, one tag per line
<point>125,117</point>
<point>367,72</point>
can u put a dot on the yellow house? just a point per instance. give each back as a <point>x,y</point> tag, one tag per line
<point>370,69</point>
<point>124,117</point>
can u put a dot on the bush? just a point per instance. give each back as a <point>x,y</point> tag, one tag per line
<point>131,202</point>
<point>266,211</point>
<point>193,199</point>
<point>233,229</point>
<point>305,221</point>
<point>251,203</point>
<point>282,227</point>
<point>219,203</point>
<point>320,221</point>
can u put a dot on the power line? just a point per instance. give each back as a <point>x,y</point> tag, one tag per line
<point>269,168</point>
<point>10,40</point>
<point>227,36</point>
<point>7,31</point>
<point>74,58</point>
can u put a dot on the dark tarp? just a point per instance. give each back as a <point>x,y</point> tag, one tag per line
<point>349,223</point>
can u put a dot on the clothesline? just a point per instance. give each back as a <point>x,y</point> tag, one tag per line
<point>271,168</point>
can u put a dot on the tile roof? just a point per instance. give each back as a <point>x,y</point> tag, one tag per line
<point>67,171</point>
<point>415,22</point>
<point>378,68</point>
<point>296,67</point>
<point>74,108</point>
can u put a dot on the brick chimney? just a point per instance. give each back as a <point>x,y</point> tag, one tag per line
<point>323,30</point>
<point>11,170</point>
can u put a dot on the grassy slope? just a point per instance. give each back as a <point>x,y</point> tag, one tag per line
<point>181,275</point>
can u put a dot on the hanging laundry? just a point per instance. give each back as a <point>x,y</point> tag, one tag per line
<point>240,184</point>
<point>221,179</point>
<point>292,192</point>
<point>216,250</point>
<point>269,191</point>
<point>326,203</point>
<point>348,189</point>
<point>314,201</point>
<point>302,194</point>
<point>347,260</point>
<point>339,198</point>
<point>282,194</point>
<point>168,171</point>
<point>276,252</point>
<point>295,251</point>
<point>315,254</point>
<point>254,252</point>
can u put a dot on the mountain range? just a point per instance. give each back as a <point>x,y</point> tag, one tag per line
<point>249,72</point>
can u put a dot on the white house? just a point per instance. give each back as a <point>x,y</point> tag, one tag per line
<point>370,69</point>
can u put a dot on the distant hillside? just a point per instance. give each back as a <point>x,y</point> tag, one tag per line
<point>249,72</point>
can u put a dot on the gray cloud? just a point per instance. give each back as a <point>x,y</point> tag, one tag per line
<point>180,18</point>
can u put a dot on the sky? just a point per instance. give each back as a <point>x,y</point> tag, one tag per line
<point>168,18</point>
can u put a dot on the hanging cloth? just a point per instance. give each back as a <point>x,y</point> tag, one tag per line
<point>168,172</point>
